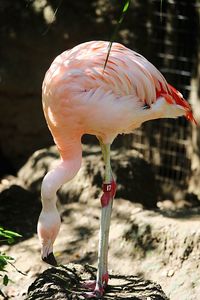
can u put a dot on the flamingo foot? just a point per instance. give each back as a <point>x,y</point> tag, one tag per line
<point>97,289</point>
<point>96,293</point>
<point>89,285</point>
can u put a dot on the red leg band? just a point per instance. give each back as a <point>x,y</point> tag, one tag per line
<point>109,190</point>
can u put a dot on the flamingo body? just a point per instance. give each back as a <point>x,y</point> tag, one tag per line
<point>80,97</point>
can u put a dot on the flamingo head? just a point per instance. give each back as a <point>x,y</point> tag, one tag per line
<point>48,228</point>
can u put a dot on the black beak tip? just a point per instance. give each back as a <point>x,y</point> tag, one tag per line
<point>50,259</point>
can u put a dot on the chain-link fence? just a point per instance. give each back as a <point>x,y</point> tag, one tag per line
<point>166,32</point>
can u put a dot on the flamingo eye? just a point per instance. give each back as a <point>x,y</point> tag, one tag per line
<point>146,106</point>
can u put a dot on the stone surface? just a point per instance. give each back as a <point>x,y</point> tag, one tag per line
<point>20,203</point>
<point>136,181</point>
<point>65,283</point>
<point>162,245</point>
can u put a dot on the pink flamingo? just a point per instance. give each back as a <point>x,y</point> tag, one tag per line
<point>80,97</point>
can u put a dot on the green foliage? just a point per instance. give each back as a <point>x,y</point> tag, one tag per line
<point>9,237</point>
<point>124,11</point>
<point>4,260</point>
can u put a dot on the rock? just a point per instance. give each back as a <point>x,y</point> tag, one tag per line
<point>165,244</point>
<point>19,208</point>
<point>65,283</point>
<point>136,181</point>
<point>162,245</point>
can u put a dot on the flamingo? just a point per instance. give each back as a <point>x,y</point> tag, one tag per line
<point>80,96</point>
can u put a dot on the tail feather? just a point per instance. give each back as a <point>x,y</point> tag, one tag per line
<point>178,97</point>
<point>175,97</point>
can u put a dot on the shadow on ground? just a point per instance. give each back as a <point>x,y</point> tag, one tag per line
<point>66,282</point>
<point>19,210</point>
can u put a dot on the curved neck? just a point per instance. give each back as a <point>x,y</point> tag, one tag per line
<point>54,179</point>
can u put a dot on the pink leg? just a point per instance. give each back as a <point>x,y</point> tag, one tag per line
<point>92,285</point>
<point>109,189</point>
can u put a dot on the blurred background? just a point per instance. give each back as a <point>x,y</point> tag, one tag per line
<point>34,32</point>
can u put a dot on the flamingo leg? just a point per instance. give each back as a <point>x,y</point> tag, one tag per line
<point>107,209</point>
<point>109,188</point>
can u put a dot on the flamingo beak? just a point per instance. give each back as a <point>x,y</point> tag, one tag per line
<point>50,259</point>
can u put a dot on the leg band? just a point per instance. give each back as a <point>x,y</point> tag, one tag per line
<point>109,190</point>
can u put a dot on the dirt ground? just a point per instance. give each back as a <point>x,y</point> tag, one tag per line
<point>162,246</point>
